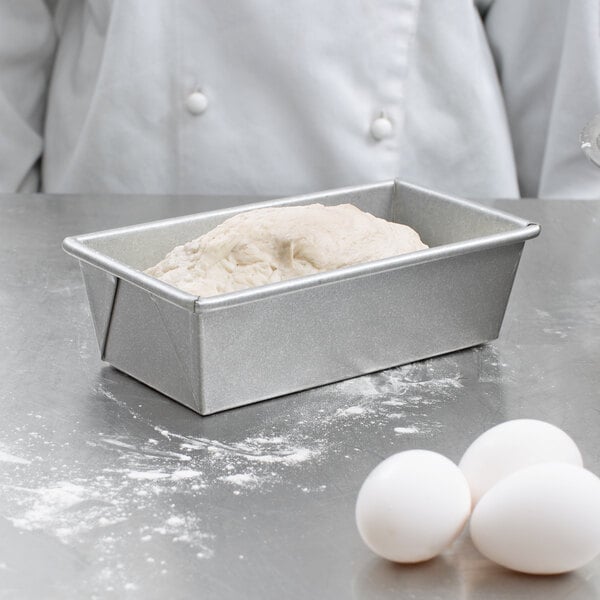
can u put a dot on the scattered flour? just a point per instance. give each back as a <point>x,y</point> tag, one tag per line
<point>9,458</point>
<point>47,504</point>
<point>97,499</point>
<point>148,475</point>
<point>175,521</point>
<point>557,332</point>
<point>274,450</point>
<point>413,388</point>
<point>185,474</point>
<point>351,410</point>
<point>411,429</point>
<point>241,479</point>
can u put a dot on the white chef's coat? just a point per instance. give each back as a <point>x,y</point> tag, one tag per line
<point>268,97</point>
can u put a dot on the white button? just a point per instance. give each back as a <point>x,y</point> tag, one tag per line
<point>381,128</point>
<point>196,103</point>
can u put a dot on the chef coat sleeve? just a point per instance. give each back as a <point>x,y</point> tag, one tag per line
<point>27,44</point>
<point>547,54</point>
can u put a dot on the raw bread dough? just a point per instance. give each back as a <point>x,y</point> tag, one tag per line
<point>274,244</point>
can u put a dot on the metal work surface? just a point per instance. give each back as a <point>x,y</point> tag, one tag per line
<point>110,490</point>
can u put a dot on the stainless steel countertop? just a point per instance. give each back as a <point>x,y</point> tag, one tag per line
<point>110,490</point>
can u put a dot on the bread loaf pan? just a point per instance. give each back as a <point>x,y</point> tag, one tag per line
<point>217,353</point>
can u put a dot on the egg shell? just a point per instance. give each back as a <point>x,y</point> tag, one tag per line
<point>511,446</point>
<point>544,519</point>
<point>412,506</point>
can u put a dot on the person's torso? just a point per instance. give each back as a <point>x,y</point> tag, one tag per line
<point>291,90</point>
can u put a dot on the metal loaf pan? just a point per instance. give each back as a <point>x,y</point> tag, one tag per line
<point>225,351</point>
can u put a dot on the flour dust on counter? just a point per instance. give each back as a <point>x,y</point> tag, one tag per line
<point>122,478</point>
<point>400,397</point>
<point>10,458</point>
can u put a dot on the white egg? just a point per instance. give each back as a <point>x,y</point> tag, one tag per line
<point>412,506</point>
<point>511,446</point>
<point>543,519</point>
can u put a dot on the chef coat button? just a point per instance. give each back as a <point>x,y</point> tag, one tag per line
<point>381,128</point>
<point>196,103</point>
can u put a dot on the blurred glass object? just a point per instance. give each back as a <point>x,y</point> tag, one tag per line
<point>590,140</point>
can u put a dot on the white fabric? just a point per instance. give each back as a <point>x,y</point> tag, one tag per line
<point>98,89</point>
<point>548,57</point>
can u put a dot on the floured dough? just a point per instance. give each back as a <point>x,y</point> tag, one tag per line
<point>274,244</point>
